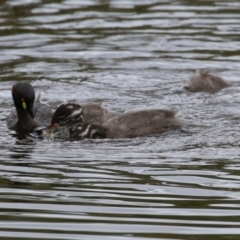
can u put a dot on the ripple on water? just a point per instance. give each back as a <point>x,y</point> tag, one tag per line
<point>129,56</point>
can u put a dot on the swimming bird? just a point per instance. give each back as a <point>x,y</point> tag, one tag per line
<point>131,124</point>
<point>68,114</point>
<point>25,118</point>
<point>38,114</point>
<point>66,119</point>
<point>142,123</point>
<point>87,130</point>
<point>205,82</point>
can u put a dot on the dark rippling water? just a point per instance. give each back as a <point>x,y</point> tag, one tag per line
<point>128,55</point>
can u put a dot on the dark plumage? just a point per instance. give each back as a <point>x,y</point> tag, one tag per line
<point>26,117</point>
<point>68,114</point>
<point>23,97</point>
<point>68,124</point>
<point>88,130</point>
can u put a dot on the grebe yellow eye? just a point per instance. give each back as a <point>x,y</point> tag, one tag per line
<point>24,105</point>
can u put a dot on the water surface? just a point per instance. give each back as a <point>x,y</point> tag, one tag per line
<point>128,55</point>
